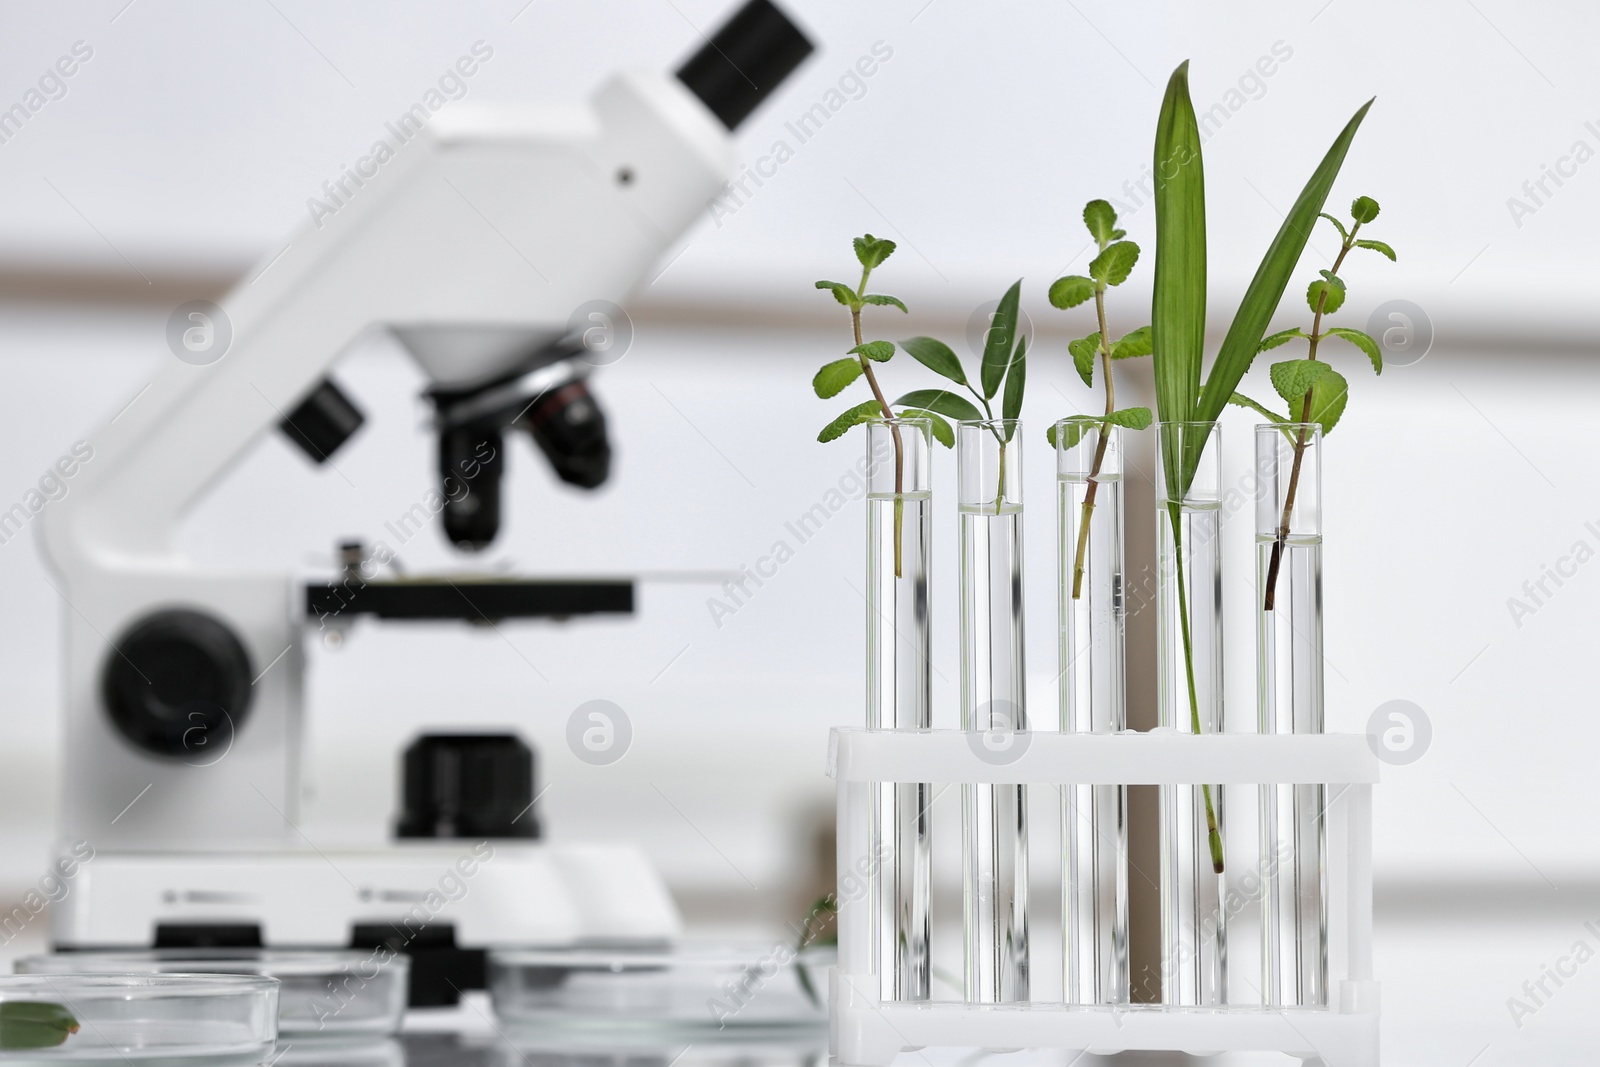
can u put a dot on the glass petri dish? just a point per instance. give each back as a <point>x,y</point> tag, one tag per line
<point>174,1020</point>
<point>699,986</point>
<point>322,993</point>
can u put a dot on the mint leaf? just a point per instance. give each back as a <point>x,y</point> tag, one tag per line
<point>872,251</point>
<point>1132,418</point>
<point>1070,291</point>
<point>1016,379</point>
<point>842,293</point>
<point>1344,234</point>
<point>1083,350</point>
<point>856,415</point>
<point>1137,343</point>
<point>1282,337</point>
<point>1075,427</point>
<point>833,377</point>
<point>1377,246</point>
<point>1000,341</point>
<point>1328,399</point>
<point>941,429</point>
<point>877,351</point>
<point>1292,378</point>
<point>1240,400</point>
<point>936,356</point>
<point>1101,218</point>
<point>1362,341</point>
<point>944,402</point>
<point>1364,210</point>
<point>1112,266</point>
<point>1328,291</point>
<point>879,298</point>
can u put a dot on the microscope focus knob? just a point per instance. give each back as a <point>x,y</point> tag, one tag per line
<point>468,786</point>
<point>178,684</point>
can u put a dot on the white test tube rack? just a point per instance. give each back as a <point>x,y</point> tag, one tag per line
<point>868,1032</point>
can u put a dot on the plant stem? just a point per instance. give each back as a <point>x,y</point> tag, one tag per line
<point>1000,489</point>
<point>1213,834</point>
<point>1100,448</point>
<point>894,431</point>
<point>1278,542</point>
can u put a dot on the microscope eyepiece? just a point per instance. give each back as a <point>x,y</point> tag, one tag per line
<point>744,61</point>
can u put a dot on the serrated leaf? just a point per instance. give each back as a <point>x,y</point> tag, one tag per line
<point>872,251</point>
<point>855,416</point>
<point>952,405</point>
<point>1344,234</point>
<point>936,356</point>
<point>1113,266</point>
<point>1101,218</point>
<point>1000,341</point>
<point>1377,246</point>
<point>842,293</point>
<point>1362,341</point>
<point>877,351</point>
<point>833,377</point>
<point>1070,291</point>
<point>1117,235</point>
<point>1240,400</point>
<point>1364,210</point>
<point>29,1024</point>
<point>1084,350</point>
<point>1293,377</point>
<point>1324,296</point>
<point>1076,426</point>
<point>1016,381</point>
<point>1133,345</point>
<point>942,431</point>
<point>1282,337</point>
<point>880,299</point>
<point>1132,418</point>
<point>1328,400</point>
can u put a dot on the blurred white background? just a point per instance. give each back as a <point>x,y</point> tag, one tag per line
<point>185,149</point>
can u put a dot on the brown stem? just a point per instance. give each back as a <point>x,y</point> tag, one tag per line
<point>1276,561</point>
<point>894,431</point>
<point>1099,452</point>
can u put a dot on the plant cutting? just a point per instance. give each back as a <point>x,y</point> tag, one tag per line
<point>1110,267</point>
<point>1319,390</point>
<point>27,1024</point>
<point>834,377</point>
<point>1002,363</point>
<point>1178,320</point>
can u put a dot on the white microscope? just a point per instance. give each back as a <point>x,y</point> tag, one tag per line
<point>474,245</point>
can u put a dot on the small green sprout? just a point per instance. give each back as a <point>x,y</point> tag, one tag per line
<point>28,1024</point>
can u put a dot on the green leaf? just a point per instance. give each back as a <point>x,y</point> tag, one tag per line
<point>26,1024</point>
<point>1112,266</point>
<point>1132,345</point>
<point>1101,218</point>
<point>1070,291</point>
<point>1364,210</point>
<point>1328,400</point>
<point>953,405</point>
<point>1362,341</point>
<point>877,351</point>
<point>941,429</point>
<point>1000,341</point>
<point>1271,278</point>
<point>936,356</point>
<point>1084,350</point>
<point>842,293</point>
<point>1132,418</point>
<point>1117,235</point>
<point>1344,234</point>
<point>833,377</point>
<point>1240,400</point>
<point>1325,294</point>
<point>1282,337</point>
<point>1377,246</point>
<point>1178,316</point>
<point>1294,377</point>
<point>872,251</point>
<point>1016,379</point>
<point>1076,426</point>
<point>879,298</point>
<point>856,415</point>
